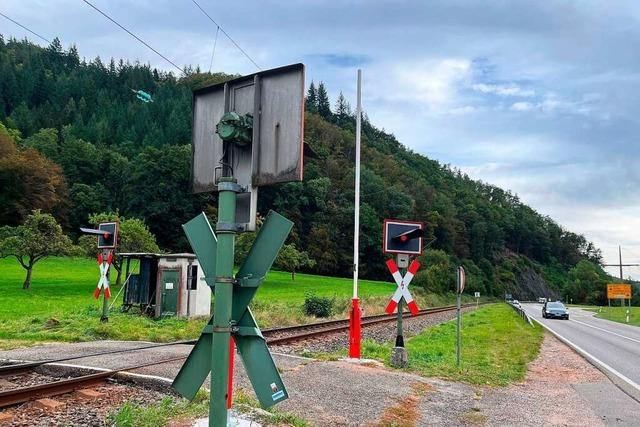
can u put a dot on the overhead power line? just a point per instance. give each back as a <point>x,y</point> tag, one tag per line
<point>226,34</point>
<point>135,37</point>
<point>215,42</point>
<point>22,26</point>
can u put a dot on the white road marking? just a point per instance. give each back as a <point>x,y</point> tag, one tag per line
<point>597,361</point>
<point>607,331</point>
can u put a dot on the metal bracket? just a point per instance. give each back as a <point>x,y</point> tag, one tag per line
<point>248,331</point>
<point>228,227</point>
<point>230,186</point>
<point>208,329</point>
<point>249,282</point>
<point>223,279</point>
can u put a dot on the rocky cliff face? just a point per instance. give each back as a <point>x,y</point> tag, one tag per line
<point>529,286</point>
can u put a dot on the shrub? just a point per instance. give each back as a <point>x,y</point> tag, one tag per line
<point>318,306</point>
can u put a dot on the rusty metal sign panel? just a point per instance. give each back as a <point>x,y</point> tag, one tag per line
<point>618,290</point>
<point>275,100</point>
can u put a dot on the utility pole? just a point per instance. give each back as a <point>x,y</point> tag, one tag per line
<point>620,264</point>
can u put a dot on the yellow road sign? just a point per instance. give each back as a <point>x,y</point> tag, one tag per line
<point>618,290</point>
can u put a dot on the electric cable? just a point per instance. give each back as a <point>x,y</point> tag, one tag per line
<point>226,34</point>
<point>24,27</point>
<point>215,42</point>
<point>134,36</point>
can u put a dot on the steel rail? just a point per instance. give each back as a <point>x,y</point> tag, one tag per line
<point>368,321</point>
<point>339,321</point>
<point>25,394</point>
<point>24,367</point>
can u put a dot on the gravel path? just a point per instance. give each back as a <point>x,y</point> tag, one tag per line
<point>561,388</point>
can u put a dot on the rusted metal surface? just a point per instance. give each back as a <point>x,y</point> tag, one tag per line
<point>25,394</point>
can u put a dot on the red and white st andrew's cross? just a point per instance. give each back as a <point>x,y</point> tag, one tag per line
<point>403,286</point>
<point>103,283</point>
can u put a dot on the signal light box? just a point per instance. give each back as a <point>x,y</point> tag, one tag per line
<point>109,237</point>
<point>402,237</point>
<point>264,113</point>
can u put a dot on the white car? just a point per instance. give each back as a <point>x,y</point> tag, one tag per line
<point>516,303</point>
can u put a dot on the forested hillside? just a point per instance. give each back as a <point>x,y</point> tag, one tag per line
<point>104,150</point>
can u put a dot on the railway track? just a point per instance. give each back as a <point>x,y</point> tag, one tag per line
<point>289,334</point>
<point>274,336</point>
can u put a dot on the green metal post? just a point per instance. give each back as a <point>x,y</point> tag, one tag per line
<point>458,340</point>
<point>218,415</point>
<point>105,309</point>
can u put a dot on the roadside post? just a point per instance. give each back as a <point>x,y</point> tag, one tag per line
<point>247,133</point>
<point>477,296</point>
<point>402,238</point>
<point>459,289</point>
<point>355,318</point>
<point>107,240</point>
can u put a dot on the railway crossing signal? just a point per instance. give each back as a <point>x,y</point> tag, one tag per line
<point>107,233</point>
<point>247,133</point>
<point>103,283</point>
<point>403,287</point>
<point>402,238</point>
<point>251,344</point>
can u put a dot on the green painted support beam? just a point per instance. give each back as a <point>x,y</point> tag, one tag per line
<point>251,345</point>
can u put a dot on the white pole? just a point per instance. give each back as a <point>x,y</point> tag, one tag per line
<point>356,227</point>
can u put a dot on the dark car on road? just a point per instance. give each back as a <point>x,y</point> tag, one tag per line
<point>555,310</point>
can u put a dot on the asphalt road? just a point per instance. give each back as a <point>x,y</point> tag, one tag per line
<point>614,344</point>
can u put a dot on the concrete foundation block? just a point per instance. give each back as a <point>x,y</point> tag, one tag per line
<point>399,357</point>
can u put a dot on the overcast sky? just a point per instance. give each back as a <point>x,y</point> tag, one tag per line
<point>540,97</point>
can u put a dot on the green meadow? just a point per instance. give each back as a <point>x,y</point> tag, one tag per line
<point>59,305</point>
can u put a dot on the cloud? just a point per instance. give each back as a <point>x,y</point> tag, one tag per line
<point>343,60</point>
<point>503,90</point>
<point>432,83</point>
<point>521,106</point>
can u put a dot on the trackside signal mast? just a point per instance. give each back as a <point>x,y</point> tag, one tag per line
<point>247,133</point>
<point>107,234</point>
<point>402,238</point>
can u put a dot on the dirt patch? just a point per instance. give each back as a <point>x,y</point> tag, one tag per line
<point>406,411</point>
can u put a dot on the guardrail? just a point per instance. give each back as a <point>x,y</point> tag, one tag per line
<point>522,313</point>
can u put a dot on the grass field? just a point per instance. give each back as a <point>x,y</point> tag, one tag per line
<point>59,305</point>
<point>618,314</point>
<point>497,346</point>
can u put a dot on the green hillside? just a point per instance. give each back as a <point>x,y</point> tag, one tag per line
<point>116,153</point>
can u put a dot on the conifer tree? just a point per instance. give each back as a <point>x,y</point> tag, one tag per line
<point>312,99</point>
<point>324,108</point>
<point>343,109</point>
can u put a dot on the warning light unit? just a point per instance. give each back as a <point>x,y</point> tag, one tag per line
<point>402,237</point>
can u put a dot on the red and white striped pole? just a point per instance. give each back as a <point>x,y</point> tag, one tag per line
<point>355,318</point>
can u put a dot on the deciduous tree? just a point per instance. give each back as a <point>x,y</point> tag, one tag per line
<point>39,237</point>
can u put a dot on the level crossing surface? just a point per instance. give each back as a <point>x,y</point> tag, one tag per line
<point>611,343</point>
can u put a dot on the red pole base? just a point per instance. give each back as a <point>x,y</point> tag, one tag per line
<point>232,353</point>
<point>355,329</point>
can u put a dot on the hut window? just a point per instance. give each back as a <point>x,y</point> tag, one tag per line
<point>193,278</point>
